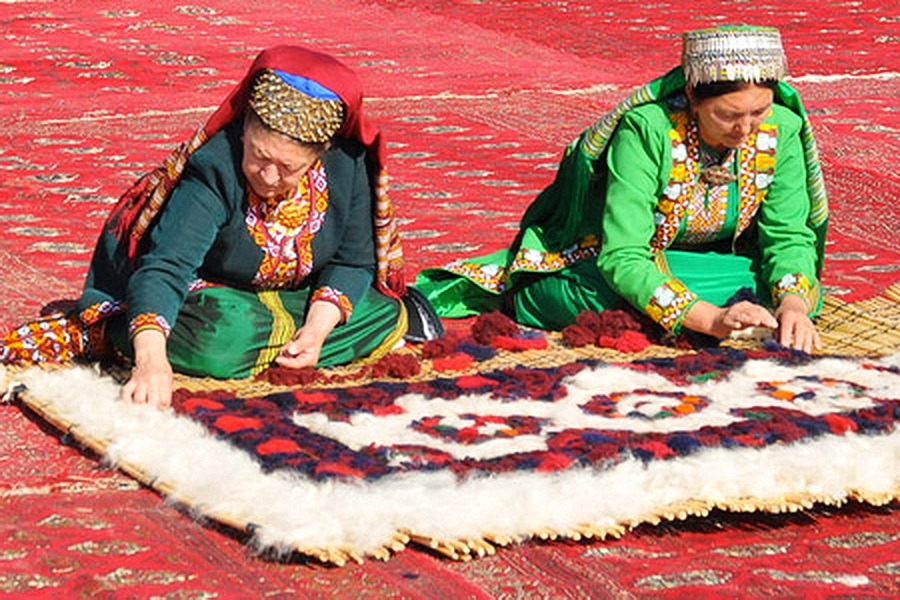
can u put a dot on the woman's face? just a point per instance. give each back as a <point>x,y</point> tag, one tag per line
<point>274,163</point>
<point>727,121</point>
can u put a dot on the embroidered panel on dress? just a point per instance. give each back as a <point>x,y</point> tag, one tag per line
<point>494,278</point>
<point>686,195</point>
<point>284,230</point>
<point>707,209</point>
<point>669,303</point>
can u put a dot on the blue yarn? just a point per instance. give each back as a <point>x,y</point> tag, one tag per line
<point>683,444</point>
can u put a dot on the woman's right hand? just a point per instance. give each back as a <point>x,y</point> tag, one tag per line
<point>722,322</point>
<point>152,378</point>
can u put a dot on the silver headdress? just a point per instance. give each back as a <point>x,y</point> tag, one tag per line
<point>733,53</point>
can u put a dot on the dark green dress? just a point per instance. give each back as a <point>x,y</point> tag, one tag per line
<point>222,290</point>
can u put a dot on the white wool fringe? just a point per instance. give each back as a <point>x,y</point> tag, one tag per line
<point>290,511</point>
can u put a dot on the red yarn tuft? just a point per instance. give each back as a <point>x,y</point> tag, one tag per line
<point>441,347</point>
<point>489,325</point>
<point>401,366</point>
<point>288,376</point>
<point>577,336</point>
<point>518,344</point>
<point>455,362</point>
<point>629,341</point>
<point>618,329</point>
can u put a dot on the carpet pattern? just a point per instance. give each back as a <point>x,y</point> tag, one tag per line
<point>476,100</point>
<point>496,441</point>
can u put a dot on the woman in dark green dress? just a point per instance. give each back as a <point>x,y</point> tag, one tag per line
<point>267,238</point>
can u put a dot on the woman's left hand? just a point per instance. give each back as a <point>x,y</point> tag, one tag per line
<point>304,348</point>
<point>795,329</point>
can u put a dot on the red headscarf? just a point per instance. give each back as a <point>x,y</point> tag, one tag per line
<point>137,208</point>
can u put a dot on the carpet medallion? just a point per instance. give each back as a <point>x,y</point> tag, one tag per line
<point>497,441</point>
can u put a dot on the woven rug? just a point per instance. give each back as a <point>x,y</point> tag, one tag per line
<point>522,436</point>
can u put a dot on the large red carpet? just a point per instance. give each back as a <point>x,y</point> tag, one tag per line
<point>476,100</point>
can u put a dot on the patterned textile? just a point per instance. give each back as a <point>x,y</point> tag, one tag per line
<point>301,429</point>
<point>476,447</point>
<point>285,230</point>
<point>73,530</point>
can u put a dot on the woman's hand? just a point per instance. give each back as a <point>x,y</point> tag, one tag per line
<point>722,322</point>
<point>795,329</point>
<point>304,348</point>
<point>151,379</point>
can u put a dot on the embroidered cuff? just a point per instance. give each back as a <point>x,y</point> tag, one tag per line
<point>336,297</point>
<point>795,283</point>
<point>100,310</point>
<point>146,321</point>
<point>669,303</point>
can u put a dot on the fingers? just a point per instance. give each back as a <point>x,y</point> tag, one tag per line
<point>799,334</point>
<point>302,351</point>
<point>297,360</point>
<point>156,391</point>
<point>746,314</point>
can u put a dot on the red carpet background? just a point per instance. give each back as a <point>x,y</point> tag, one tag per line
<point>476,100</point>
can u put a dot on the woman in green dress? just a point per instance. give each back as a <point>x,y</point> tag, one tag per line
<point>700,184</point>
<point>267,238</point>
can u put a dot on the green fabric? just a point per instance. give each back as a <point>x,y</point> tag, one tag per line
<point>638,166</point>
<point>221,332</point>
<point>554,302</point>
<point>573,207</point>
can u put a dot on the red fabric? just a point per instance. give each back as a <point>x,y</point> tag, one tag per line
<point>321,68</point>
<point>469,94</point>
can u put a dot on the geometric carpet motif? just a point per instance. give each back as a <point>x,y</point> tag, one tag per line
<point>465,463</point>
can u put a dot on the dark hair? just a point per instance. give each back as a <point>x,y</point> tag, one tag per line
<point>250,116</point>
<point>704,91</point>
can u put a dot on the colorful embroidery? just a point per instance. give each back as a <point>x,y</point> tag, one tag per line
<point>795,283</point>
<point>669,303</point>
<point>533,260</point>
<point>685,192</point>
<point>101,310</point>
<point>336,297</point>
<point>284,230</point>
<point>55,338</point>
<point>757,172</point>
<point>684,175</point>
<point>707,209</point>
<point>491,277</point>
<point>494,277</point>
<point>145,321</point>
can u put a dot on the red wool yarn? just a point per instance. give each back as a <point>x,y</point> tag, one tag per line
<point>455,362</point>
<point>441,347</point>
<point>400,366</point>
<point>489,325</point>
